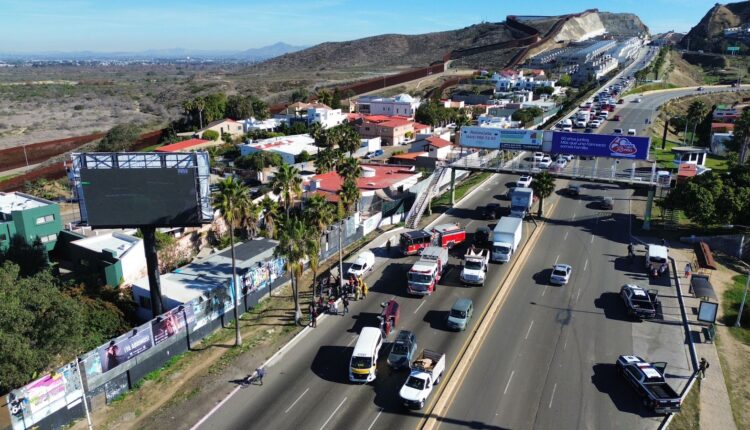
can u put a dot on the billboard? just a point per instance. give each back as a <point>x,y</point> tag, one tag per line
<point>600,145</point>
<point>171,323</point>
<point>501,138</point>
<point>141,197</point>
<point>125,347</point>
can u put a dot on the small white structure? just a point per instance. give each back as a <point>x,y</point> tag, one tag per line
<point>125,249</point>
<point>286,146</point>
<point>507,82</point>
<point>400,105</point>
<point>252,124</point>
<point>326,117</point>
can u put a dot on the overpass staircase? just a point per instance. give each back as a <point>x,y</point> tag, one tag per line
<point>424,197</point>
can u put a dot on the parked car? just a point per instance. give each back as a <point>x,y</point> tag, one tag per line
<point>545,163</point>
<point>538,156</point>
<point>491,211</point>
<point>616,118</point>
<point>560,274</point>
<point>364,263</point>
<point>403,350</point>
<point>640,304</point>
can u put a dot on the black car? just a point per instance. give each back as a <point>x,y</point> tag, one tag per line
<point>403,350</point>
<point>491,211</point>
<point>606,203</point>
<point>483,237</point>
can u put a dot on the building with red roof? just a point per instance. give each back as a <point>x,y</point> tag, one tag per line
<point>390,130</point>
<point>186,145</point>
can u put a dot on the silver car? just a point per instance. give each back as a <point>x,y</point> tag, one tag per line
<point>560,274</point>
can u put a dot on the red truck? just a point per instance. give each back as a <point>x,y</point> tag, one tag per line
<point>448,235</point>
<point>413,242</point>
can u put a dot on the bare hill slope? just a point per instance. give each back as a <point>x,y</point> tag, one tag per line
<point>708,33</point>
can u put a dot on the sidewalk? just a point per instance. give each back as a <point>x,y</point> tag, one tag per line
<point>715,408</point>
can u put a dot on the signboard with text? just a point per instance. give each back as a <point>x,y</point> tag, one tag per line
<point>601,145</point>
<point>501,138</point>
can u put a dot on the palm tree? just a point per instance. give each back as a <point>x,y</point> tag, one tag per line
<point>349,168</point>
<point>349,139</point>
<point>270,213</point>
<point>287,184</point>
<point>696,111</point>
<point>318,216</point>
<point>543,186</point>
<point>292,247</point>
<point>250,216</point>
<point>325,161</point>
<point>232,200</point>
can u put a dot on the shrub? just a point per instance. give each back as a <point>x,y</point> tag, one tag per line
<point>211,135</point>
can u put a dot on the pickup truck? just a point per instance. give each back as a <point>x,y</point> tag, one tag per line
<point>475,266</point>
<point>649,383</point>
<point>426,372</point>
<point>641,304</point>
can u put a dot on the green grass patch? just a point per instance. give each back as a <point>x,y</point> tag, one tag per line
<point>151,148</point>
<point>6,177</point>
<point>461,190</point>
<point>732,298</point>
<point>689,417</point>
<point>650,87</point>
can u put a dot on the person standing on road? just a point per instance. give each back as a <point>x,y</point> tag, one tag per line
<point>703,367</point>
<point>345,302</point>
<point>259,373</point>
<point>388,247</point>
<point>688,269</point>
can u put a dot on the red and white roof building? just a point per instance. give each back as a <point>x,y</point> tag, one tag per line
<point>286,146</point>
<point>187,145</point>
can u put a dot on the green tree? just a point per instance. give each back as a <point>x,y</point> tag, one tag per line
<point>543,186</point>
<point>349,138</point>
<point>349,168</point>
<point>215,107</point>
<point>31,258</point>
<point>293,237</point>
<point>303,157</point>
<point>232,200</point>
<point>318,215</point>
<point>287,184</point>
<point>270,213</point>
<point>210,135</point>
<point>324,96</point>
<point>260,160</point>
<point>239,107</point>
<point>120,138</point>
<point>325,161</point>
<point>260,109</point>
<point>565,80</point>
<point>543,90</point>
<point>526,115</point>
<point>300,95</point>
<point>742,135</point>
<point>250,218</point>
<point>696,112</point>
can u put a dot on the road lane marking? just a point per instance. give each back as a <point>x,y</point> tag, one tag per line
<point>468,224</point>
<point>420,305</point>
<point>586,265</point>
<point>566,235</point>
<point>529,330</point>
<point>351,341</point>
<point>332,414</point>
<point>216,408</point>
<point>508,384</point>
<point>565,345</point>
<point>578,293</point>
<point>574,216</point>
<point>557,258</point>
<point>295,402</point>
<point>553,396</point>
<point>544,290</point>
<point>592,238</point>
<point>376,418</point>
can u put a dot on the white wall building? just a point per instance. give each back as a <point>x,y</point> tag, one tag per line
<point>327,118</point>
<point>287,146</point>
<point>400,105</point>
<point>252,124</point>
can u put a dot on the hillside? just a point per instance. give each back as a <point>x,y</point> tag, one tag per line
<point>708,33</point>
<point>393,52</point>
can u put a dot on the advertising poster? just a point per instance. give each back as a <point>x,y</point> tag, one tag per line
<point>501,138</point>
<point>43,397</point>
<point>125,347</point>
<point>601,145</point>
<point>171,323</point>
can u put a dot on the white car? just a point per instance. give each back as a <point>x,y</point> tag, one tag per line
<point>538,156</point>
<point>363,264</point>
<point>581,123</point>
<point>595,123</point>
<point>560,163</point>
<point>638,100</point>
<point>560,274</point>
<point>546,162</point>
<point>523,182</point>
<point>567,128</point>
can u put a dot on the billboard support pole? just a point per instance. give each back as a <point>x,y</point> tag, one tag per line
<point>453,187</point>
<point>152,266</point>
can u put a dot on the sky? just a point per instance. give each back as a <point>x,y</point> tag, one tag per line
<point>135,25</point>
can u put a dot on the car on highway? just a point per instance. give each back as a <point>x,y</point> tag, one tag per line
<point>640,304</point>
<point>647,379</point>
<point>631,132</point>
<point>403,350</point>
<point>545,163</point>
<point>580,123</point>
<point>617,131</point>
<point>363,264</point>
<point>537,156</point>
<point>524,181</point>
<point>605,202</point>
<point>460,314</point>
<point>567,128</point>
<point>560,274</point>
<point>637,100</point>
<point>491,211</point>
<point>588,130</point>
<point>616,118</point>
<point>483,237</point>
<point>560,164</point>
<point>595,123</point>
<point>574,190</point>
<point>699,89</point>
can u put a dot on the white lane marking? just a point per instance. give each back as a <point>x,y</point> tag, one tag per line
<point>592,238</point>
<point>420,305</point>
<point>553,396</point>
<point>468,224</point>
<point>544,290</point>
<point>529,330</point>
<point>295,402</point>
<point>376,418</point>
<point>566,235</point>
<point>574,216</point>
<point>557,258</point>
<point>565,345</point>
<point>333,413</point>
<point>216,408</point>
<point>578,293</point>
<point>351,341</point>
<point>508,384</point>
<point>586,265</point>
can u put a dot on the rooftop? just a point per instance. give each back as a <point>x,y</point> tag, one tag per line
<point>409,155</point>
<point>117,242</point>
<point>374,177</point>
<point>15,201</point>
<point>185,144</point>
<point>438,142</point>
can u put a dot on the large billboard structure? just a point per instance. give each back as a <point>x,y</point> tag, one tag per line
<point>501,138</point>
<point>145,190</point>
<point>601,145</point>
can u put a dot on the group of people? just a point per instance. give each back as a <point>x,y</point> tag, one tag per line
<point>355,287</point>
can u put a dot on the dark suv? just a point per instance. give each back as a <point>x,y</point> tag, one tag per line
<point>606,203</point>
<point>403,350</point>
<point>491,211</point>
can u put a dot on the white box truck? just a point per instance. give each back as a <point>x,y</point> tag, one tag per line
<point>506,237</point>
<point>521,199</point>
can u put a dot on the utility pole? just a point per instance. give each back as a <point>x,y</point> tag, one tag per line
<point>744,297</point>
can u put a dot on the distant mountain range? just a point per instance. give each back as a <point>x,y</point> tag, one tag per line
<point>251,55</point>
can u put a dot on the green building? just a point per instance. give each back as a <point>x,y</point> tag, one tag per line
<point>30,217</point>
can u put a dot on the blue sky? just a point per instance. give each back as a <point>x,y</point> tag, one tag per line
<point>133,25</point>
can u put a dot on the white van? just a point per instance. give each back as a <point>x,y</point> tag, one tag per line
<point>656,256</point>
<point>365,356</point>
<point>631,132</point>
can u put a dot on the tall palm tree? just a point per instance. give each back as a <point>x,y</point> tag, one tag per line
<point>696,112</point>
<point>318,216</point>
<point>349,139</point>
<point>232,200</point>
<point>250,216</point>
<point>292,247</point>
<point>325,161</point>
<point>287,184</point>
<point>270,213</point>
<point>349,168</point>
<point>543,186</point>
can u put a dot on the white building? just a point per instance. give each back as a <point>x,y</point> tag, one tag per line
<point>326,117</point>
<point>400,105</point>
<point>496,122</point>
<point>252,124</point>
<point>626,49</point>
<point>518,82</point>
<point>287,146</point>
<point>124,250</point>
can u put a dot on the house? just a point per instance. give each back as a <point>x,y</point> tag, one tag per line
<point>30,217</point>
<point>408,158</point>
<point>186,145</point>
<point>116,258</point>
<point>722,127</point>
<point>251,124</point>
<point>288,147</point>
<point>691,155</point>
<point>434,146</point>
<point>325,116</point>
<point>728,113</point>
<point>497,121</point>
<point>393,131</point>
<point>400,105</point>
<point>367,146</point>
<point>257,269</point>
<point>422,128</point>
<point>508,81</point>
<point>230,126</point>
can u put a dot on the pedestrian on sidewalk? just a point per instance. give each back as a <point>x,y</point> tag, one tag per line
<point>703,367</point>
<point>259,373</point>
<point>345,301</point>
<point>388,247</point>
<point>314,318</point>
<point>688,269</point>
